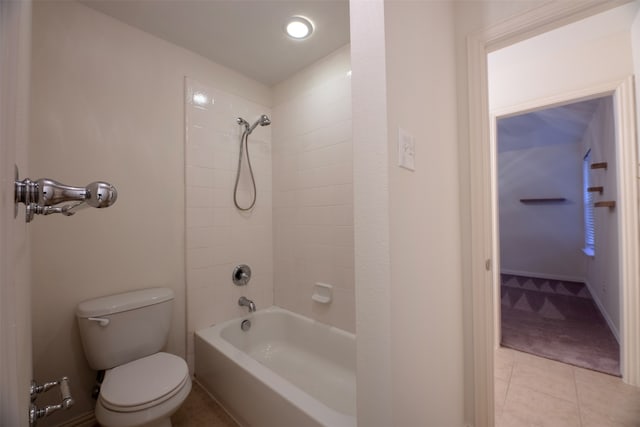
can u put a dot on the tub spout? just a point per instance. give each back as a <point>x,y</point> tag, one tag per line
<point>246,302</point>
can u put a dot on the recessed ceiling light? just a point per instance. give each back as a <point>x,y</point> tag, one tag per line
<point>299,27</point>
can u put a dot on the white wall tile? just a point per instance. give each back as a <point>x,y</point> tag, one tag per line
<point>218,235</point>
<point>313,193</point>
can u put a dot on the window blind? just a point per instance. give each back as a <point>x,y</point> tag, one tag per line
<point>589,217</point>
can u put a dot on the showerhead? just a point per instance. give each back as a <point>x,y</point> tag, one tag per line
<point>262,121</point>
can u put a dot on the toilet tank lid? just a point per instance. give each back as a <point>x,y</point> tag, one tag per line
<point>126,301</point>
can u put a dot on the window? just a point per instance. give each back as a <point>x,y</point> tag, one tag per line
<point>589,223</point>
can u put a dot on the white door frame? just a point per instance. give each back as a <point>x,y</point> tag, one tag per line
<point>479,44</point>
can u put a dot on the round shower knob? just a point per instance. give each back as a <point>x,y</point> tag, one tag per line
<point>241,275</point>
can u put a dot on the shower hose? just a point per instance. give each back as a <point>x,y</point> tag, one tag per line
<point>244,146</point>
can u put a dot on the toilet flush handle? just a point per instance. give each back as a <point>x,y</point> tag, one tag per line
<point>101,320</point>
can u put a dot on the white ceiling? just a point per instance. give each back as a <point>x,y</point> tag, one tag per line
<point>245,35</point>
<point>557,125</point>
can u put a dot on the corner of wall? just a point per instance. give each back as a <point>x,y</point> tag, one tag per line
<point>635,49</point>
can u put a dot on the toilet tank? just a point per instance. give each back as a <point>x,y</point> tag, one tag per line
<point>117,329</point>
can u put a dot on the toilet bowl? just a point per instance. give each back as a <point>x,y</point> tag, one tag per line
<point>145,392</point>
<point>123,335</point>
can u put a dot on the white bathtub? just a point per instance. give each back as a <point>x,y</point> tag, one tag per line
<point>286,371</point>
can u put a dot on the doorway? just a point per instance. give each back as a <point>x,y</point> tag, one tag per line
<point>554,297</point>
<point>482,241</point>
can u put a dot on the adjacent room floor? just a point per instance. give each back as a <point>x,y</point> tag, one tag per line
<point>533,391</point>
<point>558,320</point>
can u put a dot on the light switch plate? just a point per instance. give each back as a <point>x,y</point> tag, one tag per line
<point>406,150</point>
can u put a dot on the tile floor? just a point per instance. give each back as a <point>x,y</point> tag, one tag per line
<point>200,410</point>
<point>532,391</point>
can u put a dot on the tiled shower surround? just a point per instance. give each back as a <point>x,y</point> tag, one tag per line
<point>219,237</point>
<point>301,229</point>
<point>313,191</point>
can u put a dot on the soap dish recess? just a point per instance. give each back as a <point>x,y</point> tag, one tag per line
<point>322,293</point>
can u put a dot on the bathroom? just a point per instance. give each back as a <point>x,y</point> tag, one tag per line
<point>118,84</point>
<point>114,97</point>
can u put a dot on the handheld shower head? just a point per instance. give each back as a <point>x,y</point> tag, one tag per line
<point>244,146</point>
<point>264,120</point>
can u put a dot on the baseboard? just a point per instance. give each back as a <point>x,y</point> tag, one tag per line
<point>87,419</point>
<point>542,275</point>
<point>604,312</point>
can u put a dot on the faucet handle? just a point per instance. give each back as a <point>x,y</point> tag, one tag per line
<point>241,275</point>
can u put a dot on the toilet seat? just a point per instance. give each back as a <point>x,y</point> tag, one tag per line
<point>143,383</point>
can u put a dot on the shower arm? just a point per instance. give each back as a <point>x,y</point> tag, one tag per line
<point>42,196</point>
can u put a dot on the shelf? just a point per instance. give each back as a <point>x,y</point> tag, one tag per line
<point>595,189</point>
<point>608,204</point>
<point>544,200</point>
<point>601,165</point>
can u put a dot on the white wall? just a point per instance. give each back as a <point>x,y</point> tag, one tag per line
<point>218,236</point>
<point>541,239</point>
<point>574,57</point>
<point>108,103</point>
<point>426,301</point>
<point>602,274</point>
<point>313,190</point>
<point>15,279</point>
<point>371,213</point>
<point>407,49</point>
<point>635,48</point>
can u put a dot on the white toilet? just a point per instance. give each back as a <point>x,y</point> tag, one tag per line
<point>123,334</point>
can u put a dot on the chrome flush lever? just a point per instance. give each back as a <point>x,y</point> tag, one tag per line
<point>102,321</point>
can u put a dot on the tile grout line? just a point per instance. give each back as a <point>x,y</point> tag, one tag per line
<point>546,393</point>
<point>575,385</point>
<point>504,402</point>
<point>506,393</point>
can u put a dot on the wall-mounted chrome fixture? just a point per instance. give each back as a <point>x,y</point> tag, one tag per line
<point>264,120</point>
<point>241,275</point>
<point>45,196</point>
<point>66,401</point>
<point>246,302</point>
